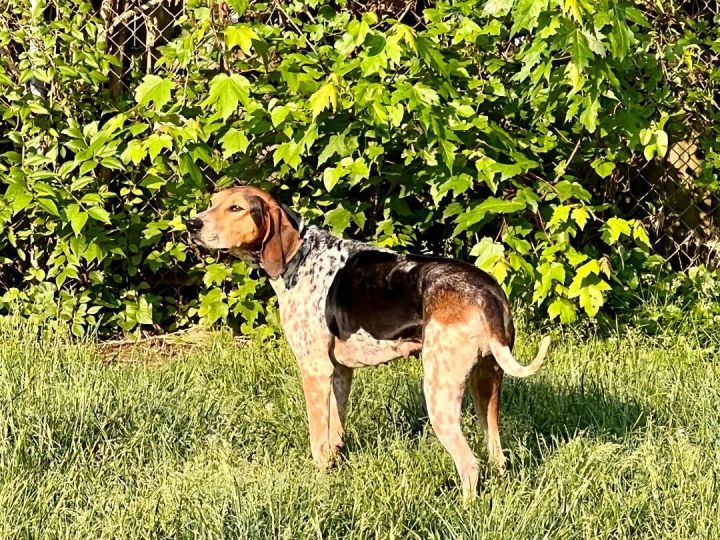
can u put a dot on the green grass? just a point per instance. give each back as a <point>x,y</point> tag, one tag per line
<point>615,438</point>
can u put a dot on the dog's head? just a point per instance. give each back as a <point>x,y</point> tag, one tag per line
<point>246,220</point>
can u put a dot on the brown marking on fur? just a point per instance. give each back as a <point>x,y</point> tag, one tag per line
<point>450,307</point>
<point>280,243</point>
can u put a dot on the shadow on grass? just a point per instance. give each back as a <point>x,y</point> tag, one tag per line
<point>556,414</point>
<point>543,415</point>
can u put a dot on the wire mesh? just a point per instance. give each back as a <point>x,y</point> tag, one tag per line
<point>134,31</point>
<point>668,194</point>
<point>671,195</point>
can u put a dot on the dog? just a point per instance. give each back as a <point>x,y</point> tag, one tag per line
<point>345,304</point>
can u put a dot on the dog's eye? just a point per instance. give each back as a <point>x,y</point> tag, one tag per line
<point>235,208</point>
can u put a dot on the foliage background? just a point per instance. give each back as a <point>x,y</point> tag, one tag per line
<point>486,131</point>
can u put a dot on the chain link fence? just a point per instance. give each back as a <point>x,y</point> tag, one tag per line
<point>668,195</point>
<point>672,195</point>
<point>134,31</point>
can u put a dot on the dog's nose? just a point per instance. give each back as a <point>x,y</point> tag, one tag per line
<point>194,225</point>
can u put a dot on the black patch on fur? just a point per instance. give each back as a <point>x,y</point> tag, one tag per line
<point>256,210</point>
<point>386,293</point>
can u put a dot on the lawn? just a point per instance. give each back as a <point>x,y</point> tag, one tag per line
<point>617,437</point>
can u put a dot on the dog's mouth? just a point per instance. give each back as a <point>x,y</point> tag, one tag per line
<point>197,239</point>
<point>210,244</point>
<point>206,243</point>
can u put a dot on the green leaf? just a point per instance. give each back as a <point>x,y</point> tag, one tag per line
<point>112,163</point>
<point>336,145</point>
<point>234,141</point>
<point>240,35</point>
<point>603,168</point>
<point>526,13</point>
<point>459,184</point>
<point>447,151</point>
<point>358,170</point>
<point>560,215</point>
<point>579,50</point>
<point>574,9</point>
<point>590,267</point>
<point>488,253</point>
<point>144,313</point>
<point>563,308</point>
<point>568,190</point>
<point>186,165</point>
<point>213,306</point>
<point>215,274</point>
<point>497,8</point>
<point>278,115</point>
<point>615,228</point>
<point>135,152</point>
<point>289,152</point>
<point>589,115</point>
<point>322,98</point>
<point>238,5</point>
<point>574,257</point>
<point>649,151</point>
<point>661,142</point>
<point>21,199</point>
<point>49,206</point>
<point>77,217</point>
<point>99,214</point>
<point>549,273</point>
<point>591,299</point>
<point>641,235</point>
<point>338,219</point>
<point>580,216</point>
<point>226,92</point>
<point>154,89</point>
<point>620,39</point>
<point>490,205</point>
<point>332,175</point>
<point>156,142</point>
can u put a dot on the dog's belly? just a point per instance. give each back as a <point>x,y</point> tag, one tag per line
<point>362,349</point>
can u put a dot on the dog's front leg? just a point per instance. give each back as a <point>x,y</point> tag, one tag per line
<point>326,390</point>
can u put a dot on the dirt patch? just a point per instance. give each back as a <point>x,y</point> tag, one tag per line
<point>163,348</point>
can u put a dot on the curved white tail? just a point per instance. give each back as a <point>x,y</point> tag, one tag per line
<point>503,356</point>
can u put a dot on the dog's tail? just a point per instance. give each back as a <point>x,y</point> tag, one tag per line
<point>509,365</point>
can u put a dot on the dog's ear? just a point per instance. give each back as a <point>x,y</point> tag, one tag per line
<point>281,239</point>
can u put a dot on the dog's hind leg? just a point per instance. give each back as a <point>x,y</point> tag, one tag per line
<point>485,380</point>
<point>450,351</point>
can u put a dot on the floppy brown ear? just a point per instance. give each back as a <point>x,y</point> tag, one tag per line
<point>281,240</point>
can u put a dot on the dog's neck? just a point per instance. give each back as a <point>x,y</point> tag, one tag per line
<point>288,278</point>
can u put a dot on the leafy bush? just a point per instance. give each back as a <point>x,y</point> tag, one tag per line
<point>487,134</point>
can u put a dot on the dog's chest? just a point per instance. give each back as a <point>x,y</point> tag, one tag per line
<point>302,298</point>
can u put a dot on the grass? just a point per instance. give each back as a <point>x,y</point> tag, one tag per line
<point>615,438</point>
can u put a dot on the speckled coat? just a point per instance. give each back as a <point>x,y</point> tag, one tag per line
<point>302,293</point>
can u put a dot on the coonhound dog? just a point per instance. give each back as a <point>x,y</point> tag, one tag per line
<point>346,304</point>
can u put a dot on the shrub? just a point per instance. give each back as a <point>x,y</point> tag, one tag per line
<point>486,133</point>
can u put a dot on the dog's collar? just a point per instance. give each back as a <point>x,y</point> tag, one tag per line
<point>290,275</point>
<point>297,221</point>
